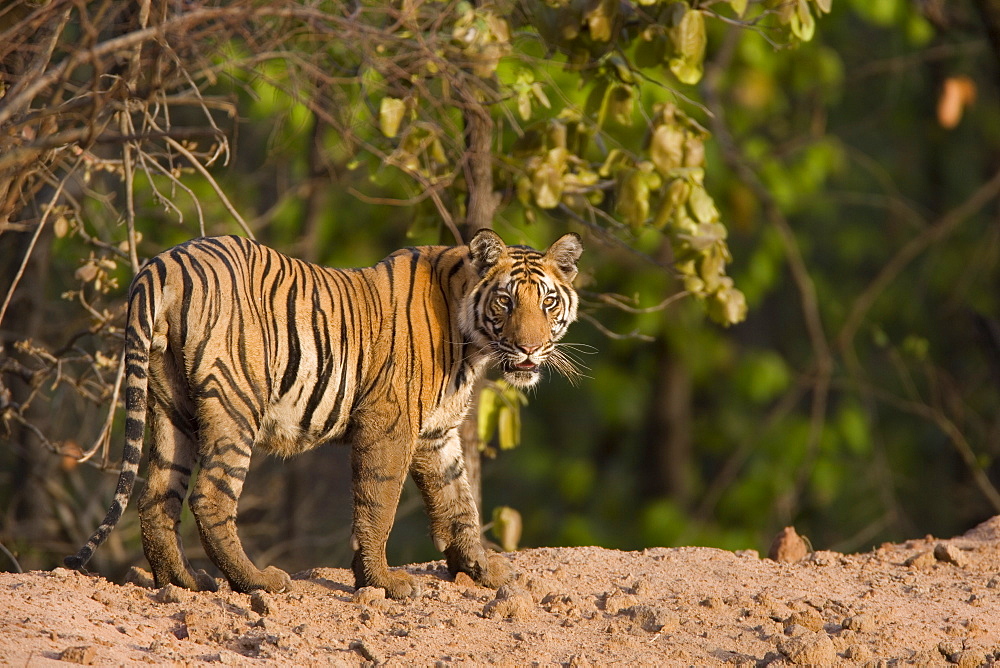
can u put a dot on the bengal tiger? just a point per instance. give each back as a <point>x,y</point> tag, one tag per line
<point>231,346</point>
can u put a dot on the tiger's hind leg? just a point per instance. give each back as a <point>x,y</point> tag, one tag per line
<point>438,468</point>
<point>171,460</point>
<point>225,444</point>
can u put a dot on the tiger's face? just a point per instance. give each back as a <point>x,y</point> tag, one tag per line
<point>523,304</point>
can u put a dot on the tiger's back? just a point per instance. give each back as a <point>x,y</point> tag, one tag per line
<point>296,347</point>
<point>231,346</point>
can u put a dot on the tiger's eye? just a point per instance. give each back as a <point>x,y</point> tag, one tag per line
<point>550,301</point>
<point>503,301</point>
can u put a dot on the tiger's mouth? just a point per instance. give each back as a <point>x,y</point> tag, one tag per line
<point>521,374</point>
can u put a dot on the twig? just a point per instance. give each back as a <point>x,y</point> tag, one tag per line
<point>212,182</point>
<point>13,560</point>
<point>942,228</point>
<point>30,250</point>
<point>634,334</point>
<point>616,301</point>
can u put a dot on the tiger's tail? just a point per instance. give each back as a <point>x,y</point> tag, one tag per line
<point>138,336</point>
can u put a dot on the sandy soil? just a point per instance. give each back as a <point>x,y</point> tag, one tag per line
<point>924,602</point>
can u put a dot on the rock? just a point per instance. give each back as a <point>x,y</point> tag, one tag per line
<point>565,604</point>
<point>84,655</point>
<point>368,595</point>
<point>788,546</point>
<point>950,554</point>
<point>921,560</point>
<point>364,649</point>
<point>511,602</point>
<point>858,653</point>
<point>651,618</point>
<point>972,659</point>
<point>171,594</point>
<point>616,601</point>
<point>792,630</point>
<point>862,623</point>
<point>262,603</point>
<point>812,649</point>
<point>950,649</point>
<point>809,618</point>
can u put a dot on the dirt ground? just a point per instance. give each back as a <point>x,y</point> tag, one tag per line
<point>923,602</point>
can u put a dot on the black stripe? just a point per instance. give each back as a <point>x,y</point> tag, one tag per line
<point>294,349</point>
<point>134,428</point>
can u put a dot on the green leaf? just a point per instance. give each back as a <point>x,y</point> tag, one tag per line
<point>740,7</point>
<point>390,115</point>
<point>802,23</point>
<point>727,307</point>
<point>547,185</point>
<point>507,527</point>
<point>509,427</point>
<point>666,148</point>
<point>602,19</point>
<point>632,203</point>
<point>621,101</point>
<point>524,105</point>
<point>489,407</point>
<point>702,205</point>
<point>689,39</point>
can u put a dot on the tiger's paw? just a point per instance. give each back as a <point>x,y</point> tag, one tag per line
<point>272,580</point>
<point>276,580</point>
<point>488,569</point>
<point>497,573</point>
<point>397,585</point>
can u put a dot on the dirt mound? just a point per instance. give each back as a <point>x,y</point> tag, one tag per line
<point>926,601</point>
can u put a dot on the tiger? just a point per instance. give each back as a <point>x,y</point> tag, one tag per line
<point>231,346</point>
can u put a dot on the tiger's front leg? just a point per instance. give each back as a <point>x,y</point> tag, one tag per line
<point>379,464</point>
<point>438,468</point>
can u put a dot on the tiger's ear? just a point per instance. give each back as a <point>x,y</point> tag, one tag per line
<point>486,249</point>
<point>565,251</point>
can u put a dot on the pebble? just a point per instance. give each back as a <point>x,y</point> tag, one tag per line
<point>813,649</point>
<point>511,602</point>
<point>84,655</point>
<point>616,601</point>
<point>171,594</point>
<point>651,618</point>
<point>862,623</point>
<point>950,554</point>
<point>921,560</point>
<point>262,603</point>
<point>788,546</point>
<point>368,595</point>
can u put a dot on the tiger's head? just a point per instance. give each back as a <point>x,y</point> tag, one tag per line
<point>523,304</point>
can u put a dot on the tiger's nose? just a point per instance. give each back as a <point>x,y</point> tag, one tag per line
<point>528,348</point>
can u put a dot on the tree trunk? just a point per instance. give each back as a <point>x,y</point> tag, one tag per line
<point>481,206</point>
